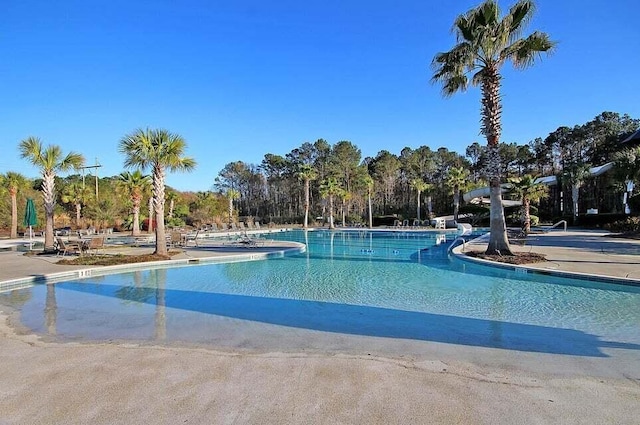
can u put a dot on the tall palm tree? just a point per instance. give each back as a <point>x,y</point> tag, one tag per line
<point>328,189</point>
<point>134,185</point>
<point>528,190</point>
<point>50,160</point>
<point>307,173</point>
<point>232,195</point>
<point>419,186</point>
<point>485,42</point>
<point>158,150</point>
<point>14,182</point>
<point>457,178</point>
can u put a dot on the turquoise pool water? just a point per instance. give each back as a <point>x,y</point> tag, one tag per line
<point>389,285</point>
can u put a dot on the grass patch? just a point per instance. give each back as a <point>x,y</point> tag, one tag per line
<point>517,258</point>
<point>112,260</point>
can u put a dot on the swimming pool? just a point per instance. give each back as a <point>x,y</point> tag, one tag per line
<point>391,285</point>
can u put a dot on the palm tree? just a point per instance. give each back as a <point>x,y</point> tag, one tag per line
<point>575,175</point>
<point>457,178</point>
<point>134,185</point>
<point>419,186</point>
<point>328,189</point>
<point>76,194</point>
<point>171,197</point>
<point>232,195</point>
<point>485,42</point>
<point>307,173</point>
<point>159,150</point>
<point>627,170</point>
<point>50,160</point>
<point>528,190</point>
<point>14,182</point>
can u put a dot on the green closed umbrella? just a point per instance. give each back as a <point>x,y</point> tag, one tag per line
<point>30,216</point>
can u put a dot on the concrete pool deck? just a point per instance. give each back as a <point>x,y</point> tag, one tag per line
<point>580,253</point>
<point>374,380</point>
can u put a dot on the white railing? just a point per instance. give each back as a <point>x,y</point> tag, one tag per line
<point>459,238</point>
<point>564,222</point>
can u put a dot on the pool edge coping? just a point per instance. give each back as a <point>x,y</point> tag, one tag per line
<point>458,255</point>
<point>50,278</point>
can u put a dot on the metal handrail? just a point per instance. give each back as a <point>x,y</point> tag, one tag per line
<point>459,238</point>
<point>558,223</point>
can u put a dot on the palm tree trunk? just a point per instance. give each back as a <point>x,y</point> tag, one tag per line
<point>527,216</point>
<point>135,230</point>
<point>49,198</point>
<point>158,200</point>
<point>418,215</point>
<point>370,211</point>
<point>306,203</point>
<point>575,194</point>
<point>498,241</point>
<point>78,210</point>
<point>492,128</point>
<point>150,226</point>
<point>456,202</point>
<point>14,214</point>
<point>331,225</point>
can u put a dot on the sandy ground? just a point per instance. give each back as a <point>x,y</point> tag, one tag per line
<point>48,382</point>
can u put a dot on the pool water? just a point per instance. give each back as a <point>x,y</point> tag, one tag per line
<point>390,285</point>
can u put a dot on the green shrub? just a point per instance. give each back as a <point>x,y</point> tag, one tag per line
<point>631,224</point>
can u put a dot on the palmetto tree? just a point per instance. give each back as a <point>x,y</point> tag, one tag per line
<point>14,182</point>
<point>158,150</point>
<point>457,179</point>
<point>419,186</point>
<point>627,170</point>
<point>576,174</point>
<point>485,42</point>
<point>76,194</point>
<point>528,190</point>
<point>134,185</point>
<point>329,189</point>
<point>307,173</point>
<point>50,160</point>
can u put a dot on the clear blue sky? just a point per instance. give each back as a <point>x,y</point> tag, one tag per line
<point>238,79</point>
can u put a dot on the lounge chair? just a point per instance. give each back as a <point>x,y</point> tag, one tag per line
<point>257,224</point>
<point>246,241</point>
<point>68,247</point>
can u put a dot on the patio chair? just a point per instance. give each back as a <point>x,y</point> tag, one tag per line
<point>95,245</point>
<point>176,239</point>
<point>191,237</point>
<point>68,247</point>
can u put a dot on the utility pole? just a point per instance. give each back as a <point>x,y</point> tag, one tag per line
<point>96,166</point>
